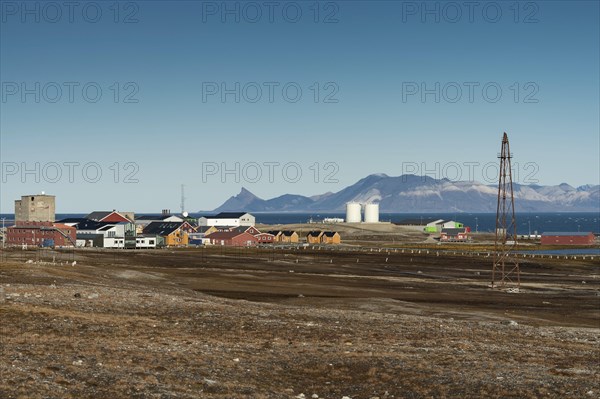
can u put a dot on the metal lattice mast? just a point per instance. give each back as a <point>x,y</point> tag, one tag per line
<point>505,271</point>
<point>182,198</point>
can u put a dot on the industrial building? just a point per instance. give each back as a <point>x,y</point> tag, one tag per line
<point>568,238</point>
<point>35,223</point>
<point>35,208</point>
<point>436,226</point>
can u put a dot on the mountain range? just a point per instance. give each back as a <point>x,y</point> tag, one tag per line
<point>411,193</point>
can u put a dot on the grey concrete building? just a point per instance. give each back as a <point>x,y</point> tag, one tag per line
<point>35,208</point>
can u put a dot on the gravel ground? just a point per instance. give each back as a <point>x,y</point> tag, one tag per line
<point>102,329</point>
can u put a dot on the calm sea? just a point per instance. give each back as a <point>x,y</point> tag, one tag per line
<point>527,223</point>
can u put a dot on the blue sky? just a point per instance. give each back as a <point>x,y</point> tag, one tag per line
<point>162,120</point>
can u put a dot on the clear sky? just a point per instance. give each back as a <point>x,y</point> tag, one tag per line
<point>192,88</point>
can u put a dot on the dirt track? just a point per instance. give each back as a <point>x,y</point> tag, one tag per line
<point>249,323</point>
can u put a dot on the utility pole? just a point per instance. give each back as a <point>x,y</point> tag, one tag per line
<point>505,270</point>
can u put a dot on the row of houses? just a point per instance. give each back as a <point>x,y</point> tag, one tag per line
<point>112,229</point>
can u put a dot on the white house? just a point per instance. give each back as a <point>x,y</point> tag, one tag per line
<point>234,219</point>
<point>145,242</point>
<point>114,234</point>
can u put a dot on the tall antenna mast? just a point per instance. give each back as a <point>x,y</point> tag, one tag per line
<point>505,272</point>
<point>182,198</point>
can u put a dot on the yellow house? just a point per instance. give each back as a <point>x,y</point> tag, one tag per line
<point>173,233</point>
<point>314,237</point>
<point>289,236</point>
<point>177,238</point>
<point>276,235</point>
<point>331,237</point>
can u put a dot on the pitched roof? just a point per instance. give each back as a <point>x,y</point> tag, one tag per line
<point>98,215</point>
<point>203,229</point>
<point>288,233</point>
<point>275,232</point>
<point>162,228</point>
<point>229,215</point>
<point>116,217</point>
<point>152,217</point>
<point>62,226</point>
<point>92,225</point>
<point>72,220</point>
<point>330,233</point>
<point>158,218</point>
<point>314,233</point>
<point>438,221</point>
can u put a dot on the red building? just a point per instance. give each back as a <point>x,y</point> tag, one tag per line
<point>454,235</point>
<point>232,239</point>
<point>41,234</point>
<point>265,238</point>
<point>108,216</point>
<point>566,238</point>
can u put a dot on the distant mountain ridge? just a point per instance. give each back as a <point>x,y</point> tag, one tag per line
<point>410,193</point>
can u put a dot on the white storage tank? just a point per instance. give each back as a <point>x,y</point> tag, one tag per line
<point>372,213</point>
<point>353,212</point>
